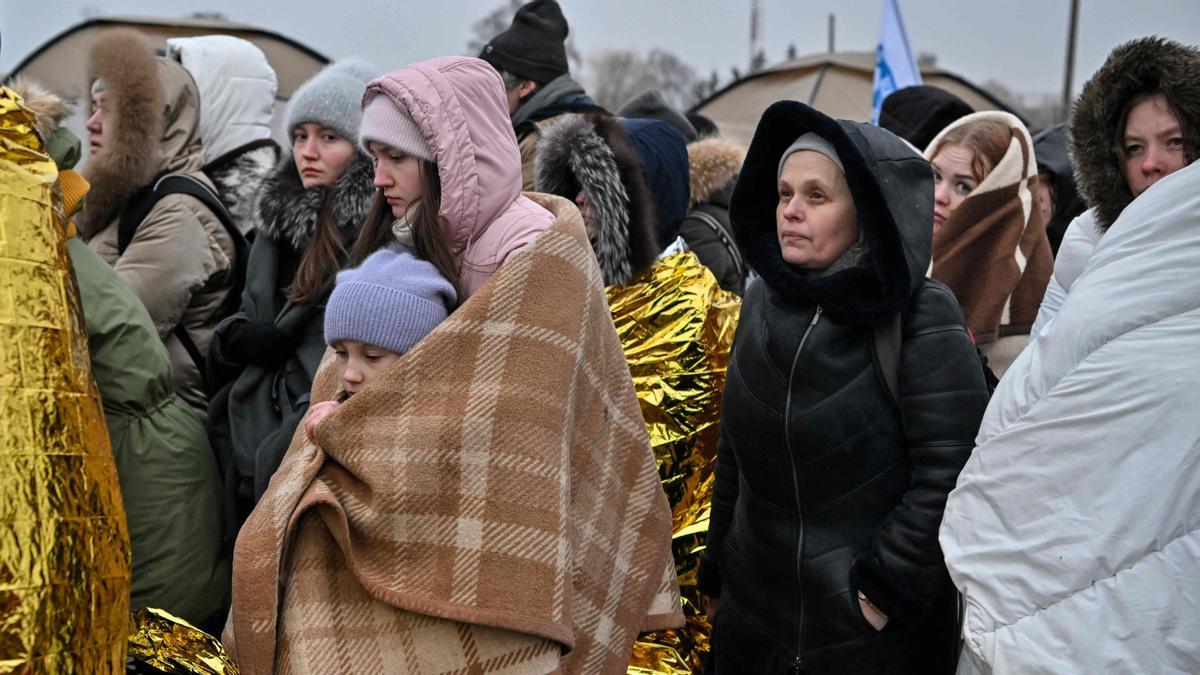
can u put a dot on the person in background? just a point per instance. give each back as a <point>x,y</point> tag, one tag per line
<point>310,209</point>
<point>180,260</point>
<point>170,487</point>
<point>531,57</point>
<point>713,166</point>
<point>1072,532</point>
<point>237,103</point>
<point>822,552</point>
<point>1055,198</point>
<point>918,114</point>
<point>989,242</point>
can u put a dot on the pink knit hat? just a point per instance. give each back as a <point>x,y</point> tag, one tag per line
<point>384,122</point>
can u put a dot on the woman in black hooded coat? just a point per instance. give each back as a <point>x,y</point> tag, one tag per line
<point>830,485</point>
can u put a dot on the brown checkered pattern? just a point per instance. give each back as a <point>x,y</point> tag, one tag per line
<point>490,503</point>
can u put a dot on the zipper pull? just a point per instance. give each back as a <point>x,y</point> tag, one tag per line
<point>798,666</point>
<point>816,316</point>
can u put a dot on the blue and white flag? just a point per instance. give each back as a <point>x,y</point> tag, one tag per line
<point>895,67</point>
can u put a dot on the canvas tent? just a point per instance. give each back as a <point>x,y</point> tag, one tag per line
<point>838,84</point>
<point>61,63</point>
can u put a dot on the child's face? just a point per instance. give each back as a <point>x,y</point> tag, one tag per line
<point>359,363</point>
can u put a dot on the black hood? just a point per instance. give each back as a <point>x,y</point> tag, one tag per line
<point>1050,151</point>
<point>893,193</point>
<point>1141,65</point>
<point>918,114</point>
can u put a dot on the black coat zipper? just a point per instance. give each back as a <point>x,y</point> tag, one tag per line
<point>798,663</point>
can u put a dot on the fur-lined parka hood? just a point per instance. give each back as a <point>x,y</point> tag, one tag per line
<point>289,213</point>
<point>1141,65</point>
<point>153,123</point>
<point>592,153</point>
<point>713,166</point>
<point>49,109</point>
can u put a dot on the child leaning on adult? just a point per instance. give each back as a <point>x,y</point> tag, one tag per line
<point>490,500</point>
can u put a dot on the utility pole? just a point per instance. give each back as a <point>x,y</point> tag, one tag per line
<point>1071,29</point>
<point>754,30</point>
<point>832,28</point>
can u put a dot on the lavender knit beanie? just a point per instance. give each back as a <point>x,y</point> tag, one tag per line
<point>391,301</point>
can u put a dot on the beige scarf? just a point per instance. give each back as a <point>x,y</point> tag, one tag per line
<point>489,504</point>
<point>991,252</point>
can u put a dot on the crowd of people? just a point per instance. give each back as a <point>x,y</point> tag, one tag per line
<point>370,411</point>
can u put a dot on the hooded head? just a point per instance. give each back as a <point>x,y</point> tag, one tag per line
<point>1058,177</point>
<point>237,90</point>
<point>917,114</point>
<point>453,107</point>
<point>662,151</point>
<point>534,46</point>
<point>151,122</point>
<point>892,189</point>
<point>651,105</point>
<point>589,158</point>
<point>1133,69</point>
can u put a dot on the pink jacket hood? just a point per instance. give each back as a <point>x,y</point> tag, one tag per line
<point>459,105</point>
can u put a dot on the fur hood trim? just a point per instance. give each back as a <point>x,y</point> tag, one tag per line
<point>592,153</point>
<point>49,109</point>
<point>714,164</point>
<point>289,213</point>
<point>1137,66</point>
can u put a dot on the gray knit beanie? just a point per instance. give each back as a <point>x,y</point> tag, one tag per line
<point>390,301</point>
<point>814,142</point>
<point>332,98</point>
<point>385,122</point>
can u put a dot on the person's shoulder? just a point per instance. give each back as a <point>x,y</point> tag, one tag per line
<point>933,305</point>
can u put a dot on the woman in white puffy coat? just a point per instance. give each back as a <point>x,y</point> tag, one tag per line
<point>1074,532</point>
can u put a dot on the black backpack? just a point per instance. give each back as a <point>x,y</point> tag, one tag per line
<point>139,207</point>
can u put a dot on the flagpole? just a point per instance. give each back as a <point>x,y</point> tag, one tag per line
<point>1071,29</point>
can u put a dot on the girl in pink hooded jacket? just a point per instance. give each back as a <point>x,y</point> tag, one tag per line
<point>447,170</point>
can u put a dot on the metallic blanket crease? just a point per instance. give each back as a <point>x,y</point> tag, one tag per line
<point>173,645</point>
<point>676,326</point>
<point>64,548</point>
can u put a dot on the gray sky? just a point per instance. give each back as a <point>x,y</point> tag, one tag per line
<point>1020,43</point>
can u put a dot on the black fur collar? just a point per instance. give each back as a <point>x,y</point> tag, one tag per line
<point>289,213</point>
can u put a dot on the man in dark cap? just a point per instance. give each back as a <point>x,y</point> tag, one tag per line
<point>531,57</point>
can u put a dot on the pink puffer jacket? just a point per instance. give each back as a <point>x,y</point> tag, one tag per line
<point>459,105</point>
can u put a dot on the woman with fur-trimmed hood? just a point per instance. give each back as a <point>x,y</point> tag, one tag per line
<point>181,260</point>
<point>312,207</point>
<point>714,164</point>
<point>1072,531</point>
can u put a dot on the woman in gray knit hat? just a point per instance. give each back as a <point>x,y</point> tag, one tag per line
<point>311,208</point>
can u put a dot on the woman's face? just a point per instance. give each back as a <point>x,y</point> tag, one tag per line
<point>1151,145</point>
<point>398,175</point>
<point>953,180</point>
<point>588,213</point>
<point>321,154</point>
<point>815,219</point>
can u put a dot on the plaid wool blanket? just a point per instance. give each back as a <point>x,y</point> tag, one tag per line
<point>489,504</point>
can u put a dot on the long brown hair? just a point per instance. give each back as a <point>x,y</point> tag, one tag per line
<point>428,236</point>
<point>322,257</point>
<point>987,139</point>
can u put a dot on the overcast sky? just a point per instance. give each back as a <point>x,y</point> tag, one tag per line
<point>1021,43</point>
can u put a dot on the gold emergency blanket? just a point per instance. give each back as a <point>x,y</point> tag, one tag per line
<point>173,645</point>
<point>64,549</point>
<point>676,326</point>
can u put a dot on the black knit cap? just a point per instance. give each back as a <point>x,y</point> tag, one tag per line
<point>534,46</point>
<point>917,114</point>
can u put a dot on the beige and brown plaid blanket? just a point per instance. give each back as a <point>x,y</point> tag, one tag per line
<point>490,504</point>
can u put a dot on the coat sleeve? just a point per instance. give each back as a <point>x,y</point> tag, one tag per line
<point>167,262</point>
<point>942,400</point>
<point>1077,246</point>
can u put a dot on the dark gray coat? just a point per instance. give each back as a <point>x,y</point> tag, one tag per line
<point>253,418</point>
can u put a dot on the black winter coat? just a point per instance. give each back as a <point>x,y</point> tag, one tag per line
<point>823,488</point>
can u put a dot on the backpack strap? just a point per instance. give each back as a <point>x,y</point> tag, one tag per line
<point>723,236</point>
<point>885,343</point>
<point>140,205</point>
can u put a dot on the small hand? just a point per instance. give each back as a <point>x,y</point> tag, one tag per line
<point>316,414</point>
<point>876,618</point>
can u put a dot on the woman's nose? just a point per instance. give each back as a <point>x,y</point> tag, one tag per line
<point>381,177</point>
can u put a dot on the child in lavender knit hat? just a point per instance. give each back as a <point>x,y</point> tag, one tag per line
<point>376,313</point>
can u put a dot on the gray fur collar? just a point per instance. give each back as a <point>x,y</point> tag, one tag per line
<point>1134,67</point>
<point>289,214</point>
<point>591,153</point>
